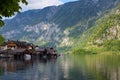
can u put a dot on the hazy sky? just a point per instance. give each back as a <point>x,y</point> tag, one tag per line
<point>39,4</point>
<point>67,0</point>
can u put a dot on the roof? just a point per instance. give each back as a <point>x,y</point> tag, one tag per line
<point>17,43</point>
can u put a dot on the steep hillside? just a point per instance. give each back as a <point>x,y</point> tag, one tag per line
<point>56,25</point>
<point>71,13</point>
<point>104,35</point>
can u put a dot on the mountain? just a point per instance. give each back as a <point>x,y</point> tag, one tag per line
<point>104,36</point>
<point>106,32</point>
<point>57,25</point>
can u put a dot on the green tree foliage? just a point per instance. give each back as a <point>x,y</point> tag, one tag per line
<point>101,38</point>
<point>9,7</point>
<point>113,45</point>
<point>1,40</point>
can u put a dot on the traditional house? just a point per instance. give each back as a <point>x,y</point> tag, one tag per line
<point>10,44</point>
<point>51,50</point>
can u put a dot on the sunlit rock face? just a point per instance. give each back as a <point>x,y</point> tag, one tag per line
<point>42,32</point>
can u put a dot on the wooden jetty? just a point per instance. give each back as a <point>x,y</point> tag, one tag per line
<point>20,50</point>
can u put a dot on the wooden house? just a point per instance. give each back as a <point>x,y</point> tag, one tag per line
<point>10,44</point>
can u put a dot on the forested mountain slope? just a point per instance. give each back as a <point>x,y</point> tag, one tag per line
<point>58,26</point>
<point>104,35</point>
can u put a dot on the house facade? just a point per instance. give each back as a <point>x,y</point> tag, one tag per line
<point>11,44</point>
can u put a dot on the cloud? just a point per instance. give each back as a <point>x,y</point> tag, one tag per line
<point>39,4</point>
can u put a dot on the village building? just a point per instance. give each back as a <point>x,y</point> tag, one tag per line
<point>21,49</point>
<point>10,44</point>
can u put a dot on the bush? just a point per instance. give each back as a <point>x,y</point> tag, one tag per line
<point>112,45</point>
<point>82,51</point>
<point>1,40</point>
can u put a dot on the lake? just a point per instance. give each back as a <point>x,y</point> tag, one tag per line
<point>65,67</point>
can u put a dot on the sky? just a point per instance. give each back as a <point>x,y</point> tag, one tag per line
<point>64,1</point>
<point>39,4</point>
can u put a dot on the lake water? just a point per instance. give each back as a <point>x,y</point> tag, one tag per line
<point>65,67</point>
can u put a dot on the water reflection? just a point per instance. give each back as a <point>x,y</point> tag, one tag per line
<point>37,69</point>
<point>67,67</point>
<point>92,67</point>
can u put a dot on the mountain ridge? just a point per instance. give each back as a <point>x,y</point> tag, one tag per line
<point>56,25</point>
